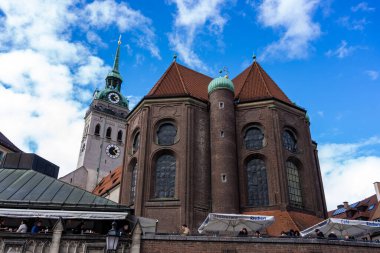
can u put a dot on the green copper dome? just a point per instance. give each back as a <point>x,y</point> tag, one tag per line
<point>220,83</point>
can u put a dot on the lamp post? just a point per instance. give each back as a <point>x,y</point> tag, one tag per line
<point>112,238</point>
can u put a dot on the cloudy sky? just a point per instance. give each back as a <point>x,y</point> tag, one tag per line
<point>323,54</point>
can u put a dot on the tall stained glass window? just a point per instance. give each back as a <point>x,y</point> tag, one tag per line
<point>253,138</point>
<point>165,176</point>
<point>294,188</point>
<point>289,141</point>
<point>257,183</point>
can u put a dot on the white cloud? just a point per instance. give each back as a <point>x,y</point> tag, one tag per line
<point>342,51</point>
<point>293,19</point>
<point>349,170</point>
<point>321,114</point>
<point>373,74</point>
<point>191,18</point>
<point>353,24</point>
<point>102,14</point>
<point>47,77</point>
<point>362,6</point>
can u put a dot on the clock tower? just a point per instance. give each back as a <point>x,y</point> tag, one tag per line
<point>103,140</point>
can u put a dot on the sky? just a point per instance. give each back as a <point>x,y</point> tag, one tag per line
<point>323,54</point>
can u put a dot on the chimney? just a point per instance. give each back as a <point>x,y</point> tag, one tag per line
<point>377,190</point>
<point>345,204</point>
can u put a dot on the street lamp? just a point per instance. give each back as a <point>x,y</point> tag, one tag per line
<point>112,238</point>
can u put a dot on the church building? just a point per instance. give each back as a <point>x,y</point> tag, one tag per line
<point>196,145</point>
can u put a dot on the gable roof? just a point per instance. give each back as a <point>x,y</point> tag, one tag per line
<point>4,141</point>
<point>255,84</point>
<point>109,182</point>
<point>181,81</point>
<point>362,209</point>
<point>31,189</point>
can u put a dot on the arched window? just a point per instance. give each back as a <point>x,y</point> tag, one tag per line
<point>166,134</point>
<point>294,188</point>
<point>120,136</point>
<point>133,183</point>
<point>289,141</point>
<point>109,132</point>
<point>257,183</point>
<point>136,143</point>
<point>165,176</point>
<point>254,138</point>
<point>97,129</point>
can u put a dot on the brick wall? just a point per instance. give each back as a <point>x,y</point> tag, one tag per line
<point>197,244</point>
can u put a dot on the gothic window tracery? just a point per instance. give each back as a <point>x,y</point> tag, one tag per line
<point>294,188</point>
<point>165,176</point>
<point>254,138</point>
<point>166,134</point>
<point>257,183</point>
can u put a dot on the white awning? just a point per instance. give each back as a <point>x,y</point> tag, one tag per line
<point>56,214</point>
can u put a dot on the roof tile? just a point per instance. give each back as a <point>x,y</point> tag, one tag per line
<point>109,182</point>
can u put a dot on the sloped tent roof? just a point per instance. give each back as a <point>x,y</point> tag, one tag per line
<point>28,189</point>
<point>108,182</point>
<point>343,227</point>
<point>252,84</point>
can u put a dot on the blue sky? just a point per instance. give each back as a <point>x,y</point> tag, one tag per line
<point>323,54</point>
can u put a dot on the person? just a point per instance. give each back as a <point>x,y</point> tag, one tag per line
<point>257,234</point>
<point>37,227</point>
<point>243,232</point>
<point>2,225</point>
<point>291,233</point>
<point>185,231</point>
<point>297,233</point>
<point>23,228</point>
<point>319,234</point>
<point>332,235</point>
<point>283,234</point>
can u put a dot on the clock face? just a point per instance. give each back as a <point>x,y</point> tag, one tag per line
<point>113,97</point>
<point>113,151</point>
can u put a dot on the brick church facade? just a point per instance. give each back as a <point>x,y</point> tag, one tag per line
<point>196,145</point>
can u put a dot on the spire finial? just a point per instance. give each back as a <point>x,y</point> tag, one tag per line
<point>254,57</point>
<point>119,42</point>
<point>174,57</point>
<point>225,70</point>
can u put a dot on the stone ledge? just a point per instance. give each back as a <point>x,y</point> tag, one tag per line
<point>258,240</point>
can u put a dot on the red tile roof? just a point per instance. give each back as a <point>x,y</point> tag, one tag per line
<point>357,210</point>
<point>255,84</point>
<point>108,182</point>
<point>286,220</point>
<point>179,81</point>
<point>251,85</point>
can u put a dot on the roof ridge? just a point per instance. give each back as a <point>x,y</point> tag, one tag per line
<point>262,78</point>
<point>291,218</point>
<point>155,87</point>
<point>245,80</point>
<point>181,78</point>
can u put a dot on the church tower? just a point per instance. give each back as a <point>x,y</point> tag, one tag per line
<point>103,140</point>
<point>224,181</point>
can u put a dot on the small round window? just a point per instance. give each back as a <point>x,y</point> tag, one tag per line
<point>254,138</point>
<point>289,141</point>
<point>166,134</point>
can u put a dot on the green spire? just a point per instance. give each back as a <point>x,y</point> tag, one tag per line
<point>116,62</point>
<point>114,79</point>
